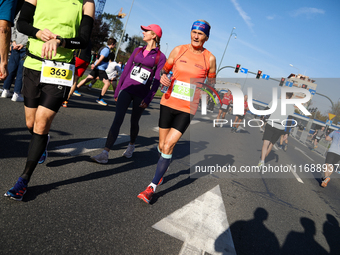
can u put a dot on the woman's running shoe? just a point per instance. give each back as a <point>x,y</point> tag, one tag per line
<point>146,195</point>
<point>101,158</point>
<point>64,104</point>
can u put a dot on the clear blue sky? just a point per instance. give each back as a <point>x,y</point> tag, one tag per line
<point>270,35</point>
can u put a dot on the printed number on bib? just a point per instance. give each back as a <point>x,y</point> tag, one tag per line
<point>140,74</point>
<point>224,106</point>
<point>183,90</point>
<point>57,73</point>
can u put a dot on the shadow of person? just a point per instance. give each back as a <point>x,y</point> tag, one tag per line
<point>252,236</point>
<point>331,231</point>
<point>303,242</point>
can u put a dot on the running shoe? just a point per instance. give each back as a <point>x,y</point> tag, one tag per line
<point>325,181</point>
<point>18,191</point>
<point>146,195</point>
<point>129,151</point>
<point>6,93</point>
<point>260,165</point>
<point>101,101</point>
<point>45,154</point>
<point>76,93</point>
<point>232,130</point>
<point>101,158</point>
<point>89,87</point>
<point>64,104</point>
<point>285,147</point>
<point>17,98</point>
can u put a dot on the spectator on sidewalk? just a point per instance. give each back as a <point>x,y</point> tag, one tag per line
<point>7,14</point>
<point>15,65</point>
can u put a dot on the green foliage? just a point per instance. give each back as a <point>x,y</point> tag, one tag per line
<point>134,43</point>
<point>115,25</point>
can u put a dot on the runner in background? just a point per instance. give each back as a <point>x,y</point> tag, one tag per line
<point>99,70</point>
<point>239,118</point>
<point>319,133</point>
<point>226,101</point>
<point>332,157</point>
<point>285,135</point>
<point>187,62</point>
<point>48,40</point>
<point>274,129</point>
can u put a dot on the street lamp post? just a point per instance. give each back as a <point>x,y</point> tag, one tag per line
<point>296,68</point>
<point>231,33</point>
<point>166,48</point>
<point>121,38</point>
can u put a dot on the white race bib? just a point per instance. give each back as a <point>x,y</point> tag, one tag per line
<point>224,106</point>
<point>140,74</point>
<point>57,73</point>
<point>183,90</point>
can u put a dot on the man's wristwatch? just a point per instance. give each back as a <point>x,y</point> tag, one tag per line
<point>62,40</point>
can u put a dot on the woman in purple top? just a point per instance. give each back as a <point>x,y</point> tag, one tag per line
<point>138,83</point>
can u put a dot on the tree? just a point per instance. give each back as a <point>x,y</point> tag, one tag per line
<point>100,34</point>
<point>133,43</point>
<point>115,25</point>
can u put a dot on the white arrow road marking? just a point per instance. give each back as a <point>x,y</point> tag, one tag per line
<point>295,174</point>
<point>87,146</point>
<point>202,225</point>
<point>304,153</point>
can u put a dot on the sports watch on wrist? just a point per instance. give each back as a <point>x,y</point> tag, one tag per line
<point>62,40</point>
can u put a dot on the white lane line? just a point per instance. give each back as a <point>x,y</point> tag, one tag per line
<point>294,173</point>
<point>304,153</point>
<point>275,147</point>
<point>87,146</point>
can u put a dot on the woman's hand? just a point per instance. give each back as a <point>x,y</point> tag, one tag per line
<point>165,80</point>
<point>50,48</point>
<point>143,105</point>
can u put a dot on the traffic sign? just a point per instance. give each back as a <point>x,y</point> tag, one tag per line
<point>329,122</point>
<point>244,70</point>
<point>265,76</point>
<point>312,91</point>
<point>289,84</point>
<point>331,116</point>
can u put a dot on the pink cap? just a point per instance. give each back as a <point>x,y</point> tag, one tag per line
<point>153,27</point>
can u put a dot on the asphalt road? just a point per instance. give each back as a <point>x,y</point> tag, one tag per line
<point>75,206</point>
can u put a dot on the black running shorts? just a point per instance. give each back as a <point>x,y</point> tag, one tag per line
<point>272,134</point>
<point>36,93</point>
<point>332,158</point>
<point>99,73</point>
<point>171,118</point>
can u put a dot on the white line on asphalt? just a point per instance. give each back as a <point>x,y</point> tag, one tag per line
<point>296,148</point>
<point>87,146</point>
<point>295,174</point>
<point>275,147</point>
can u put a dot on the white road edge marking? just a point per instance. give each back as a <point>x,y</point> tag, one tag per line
<point>295,174</point>
<point>304,153</point>
<point>87,146</point>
